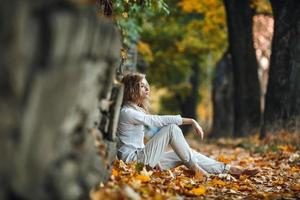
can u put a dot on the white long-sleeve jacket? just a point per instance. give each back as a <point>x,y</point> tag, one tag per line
<point>131,129</point>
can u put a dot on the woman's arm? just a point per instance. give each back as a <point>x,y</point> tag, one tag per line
<point>195,125</point>
<point>138,117</point>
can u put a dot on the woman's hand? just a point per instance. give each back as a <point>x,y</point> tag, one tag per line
<point>198,129</point>
<point>195,125</point>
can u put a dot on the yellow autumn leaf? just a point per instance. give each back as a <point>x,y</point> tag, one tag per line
<point>143,178</point>
<point>221,158</point>
<point>243,177</point>
<point>217,182</point>
<point>234,186</point>
<point>295,187</point>
<point>278,182</point>
<point>145,49</point>
<point>125,14</point>
<point>115,172</point>
<point>286,148</point>
<point>123,53</point>
<point>190,6</point>
<point>144,172</point>
<point>199,176</point>
<point>293,170</point>
<point>199,190</point>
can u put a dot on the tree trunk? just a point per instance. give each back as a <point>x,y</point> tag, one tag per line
<point>188,107</point>
<point>57,66</point>
<point>223,114</point>
<point>246,86</point>
<point>282,109</point>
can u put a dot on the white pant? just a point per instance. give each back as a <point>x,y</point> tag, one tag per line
<point>154,152</point>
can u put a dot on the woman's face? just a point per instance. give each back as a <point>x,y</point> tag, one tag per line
<point>144,88</point>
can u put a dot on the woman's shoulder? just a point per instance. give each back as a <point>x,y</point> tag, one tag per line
<point>128,113</point>
<point>129,110</point>
<point>126,109</point>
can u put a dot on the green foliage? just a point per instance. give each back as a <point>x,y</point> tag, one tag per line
<point>130,15</point>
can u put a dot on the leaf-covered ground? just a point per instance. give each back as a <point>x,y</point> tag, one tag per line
<point>277,157</point>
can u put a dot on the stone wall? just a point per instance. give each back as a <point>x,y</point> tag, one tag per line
<point>58,64</point>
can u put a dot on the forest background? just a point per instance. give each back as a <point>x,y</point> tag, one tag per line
<point>204,59</point>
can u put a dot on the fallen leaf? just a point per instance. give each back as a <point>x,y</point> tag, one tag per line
<point>286,148</point>
<point>221,158</point>
<point>145,172</point>
<point>143,178</point>
<point>295,187</point>
<point>114,172</point>
<point>199,190</point>
<point>217,182</point>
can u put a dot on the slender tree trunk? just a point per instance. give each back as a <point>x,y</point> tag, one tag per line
<point>246,85</point>
<point>189,106</point>
<point>283,92</point>
<point>223,113</point>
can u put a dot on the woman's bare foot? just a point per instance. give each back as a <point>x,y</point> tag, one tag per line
<point>237,171</point>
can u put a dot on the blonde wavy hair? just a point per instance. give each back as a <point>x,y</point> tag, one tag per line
<point>132,81</point>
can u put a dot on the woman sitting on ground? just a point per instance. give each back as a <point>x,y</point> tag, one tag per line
<point>134,116</point>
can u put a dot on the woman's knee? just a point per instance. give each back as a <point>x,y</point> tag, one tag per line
<point>174,129</point>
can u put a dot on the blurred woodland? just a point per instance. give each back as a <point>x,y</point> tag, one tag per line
<point>212,60</point>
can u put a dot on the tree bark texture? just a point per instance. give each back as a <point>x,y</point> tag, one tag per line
<point>222,97</point>
<point>247,113</point>
<point>57,66</point>
<point>283,91</point>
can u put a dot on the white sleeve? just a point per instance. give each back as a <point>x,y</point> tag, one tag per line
<point>137,117</point>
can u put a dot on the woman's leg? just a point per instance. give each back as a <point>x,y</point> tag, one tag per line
<point>170,160</point>
<point>210,165</point>
<point>155,148</point>
<point>183,154</point>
